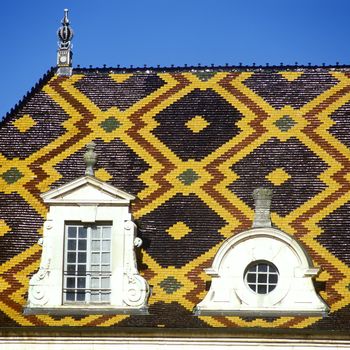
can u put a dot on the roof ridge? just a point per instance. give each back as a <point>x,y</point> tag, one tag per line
<point>38,85</point>
<point>225,67</point>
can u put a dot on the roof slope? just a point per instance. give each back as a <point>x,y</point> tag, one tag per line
<point>191,145</point>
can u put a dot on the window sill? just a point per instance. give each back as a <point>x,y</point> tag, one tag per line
<point>80,310</point>
<point>260,313</point>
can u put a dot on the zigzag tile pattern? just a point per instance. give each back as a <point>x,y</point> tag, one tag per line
<point>191,146</point>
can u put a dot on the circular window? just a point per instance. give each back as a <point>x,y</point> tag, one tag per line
<point>261,277</point>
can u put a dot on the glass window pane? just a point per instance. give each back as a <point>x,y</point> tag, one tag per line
<point>253,287</point>
<point>71,257</point>
<point>72,231</point>
<point>95,245</point>
<point>106,232</point>
<point>81,257</point>
<point>95,268</point>
<point>95,297</point>
<point>95,258</point>
<point>106,246</point>
<point>251,278</point>
<point>105,258</point>
<point>272,287</point>
<point>80,296</point>
<point>262,278</point>
<point>262,289</point>
<point>95,282</point>
<point>95,233</point>
<point>273,278</point>
<point>81,282</point>
<point>262,267</point>
<point>70,282</point>
<point>105,297</point>
<point>70,268</point>
<point>272,269</point>
<point>82,244</point>
<point>72,244</point>
<point>70,296</point>
<point>82,269</point>
<point>105,268</point>
<point>82,232</point>
<point>105,282</point>
<point>253,269</point>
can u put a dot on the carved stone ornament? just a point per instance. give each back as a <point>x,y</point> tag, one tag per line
<point>135,287</point>
<point>90,158</point>
<point>38,292</point>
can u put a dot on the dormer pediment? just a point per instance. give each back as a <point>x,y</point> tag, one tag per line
<point>87,190</point>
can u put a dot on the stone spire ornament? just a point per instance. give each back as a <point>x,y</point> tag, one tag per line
<point>90,158</point>
<point>64,52</point>
<point>262,199</point>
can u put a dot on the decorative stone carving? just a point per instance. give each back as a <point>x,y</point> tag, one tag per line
<point>136,288</point>
<point>90,158</point>
<point>39,282</point>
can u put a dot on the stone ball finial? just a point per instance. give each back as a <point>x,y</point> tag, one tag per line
<point>90,158</point>
<point>65,32</point>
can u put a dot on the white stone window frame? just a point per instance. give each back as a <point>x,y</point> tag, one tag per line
<point>294,294</point>
<point>88,200</point>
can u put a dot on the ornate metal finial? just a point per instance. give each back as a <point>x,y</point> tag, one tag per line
<point>65,33</point>
<point>90,158</point>
<point>64,53</point>
<point>262,199</point>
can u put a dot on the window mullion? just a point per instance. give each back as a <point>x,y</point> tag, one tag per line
<point>100,267</point>
<point>88,265</point>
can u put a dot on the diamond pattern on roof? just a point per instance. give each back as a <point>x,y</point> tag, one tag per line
<point>278,91</point>
<point>198,183</point>
<point>255,170</point>
<point>221,117</point>
<point>108,91</point>
<point>24,123</point>
<point>196,215</point>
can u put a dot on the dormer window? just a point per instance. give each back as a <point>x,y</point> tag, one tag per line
<point>88,262</point>
<point>262,272</point>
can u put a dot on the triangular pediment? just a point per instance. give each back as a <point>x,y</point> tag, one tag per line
<point>87,189</point>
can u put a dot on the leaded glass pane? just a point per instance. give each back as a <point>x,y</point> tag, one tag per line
<point>82,232</point>
<point>105,258</point>
<point>106,245</point>
<point>82,244</point>
<point>71,257</point>
<point>72,244</point>
<point>95,245</point>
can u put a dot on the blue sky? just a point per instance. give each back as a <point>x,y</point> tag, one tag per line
<point>165,32</point>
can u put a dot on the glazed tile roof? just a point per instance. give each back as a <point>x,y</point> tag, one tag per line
<point>191,144</point>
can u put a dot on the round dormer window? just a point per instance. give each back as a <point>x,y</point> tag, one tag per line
<point>261,277</point>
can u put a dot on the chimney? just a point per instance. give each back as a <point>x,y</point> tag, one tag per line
<point>262,200</point>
